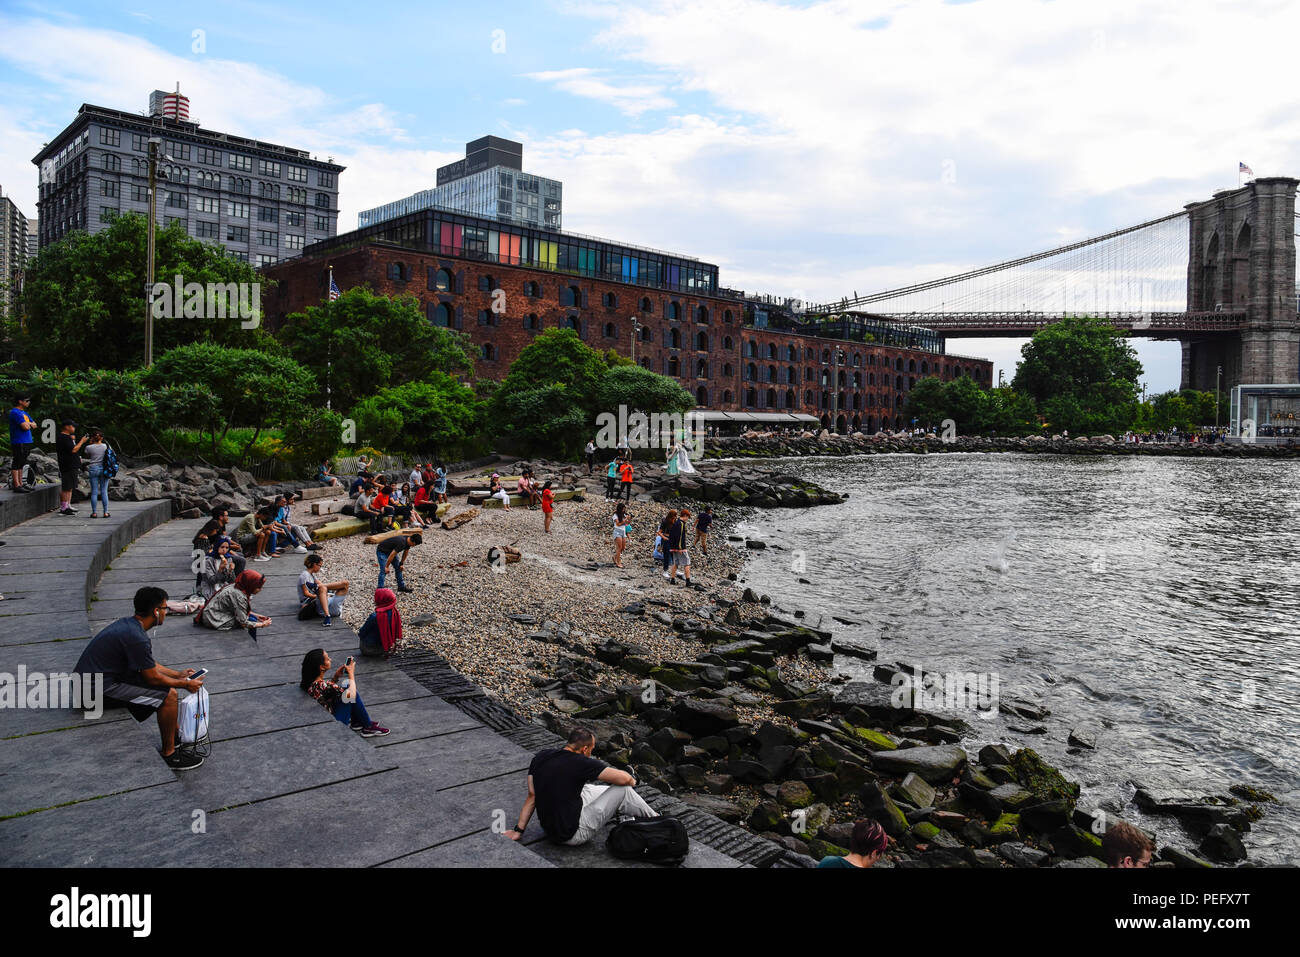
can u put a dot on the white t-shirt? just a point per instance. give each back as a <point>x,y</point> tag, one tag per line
<point>309,580</point>
<point>415,478</point>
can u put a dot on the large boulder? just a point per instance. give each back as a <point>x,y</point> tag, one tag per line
<point>935,763</point>
<point>702,718</point>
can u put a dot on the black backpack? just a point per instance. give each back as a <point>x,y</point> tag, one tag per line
<point>659,840</point>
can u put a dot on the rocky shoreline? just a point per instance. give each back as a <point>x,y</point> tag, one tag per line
<point>859,443</point>
<point>714,695</point>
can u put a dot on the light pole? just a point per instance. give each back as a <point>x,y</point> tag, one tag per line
<point>154,143</point>
<point>836,356</point>
<point>1217,376</point>
<point>636,327</point>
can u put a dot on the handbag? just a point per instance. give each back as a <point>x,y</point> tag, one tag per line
<point>192,724</point>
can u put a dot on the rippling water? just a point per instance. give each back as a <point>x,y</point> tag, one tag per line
<point>1157,599</point>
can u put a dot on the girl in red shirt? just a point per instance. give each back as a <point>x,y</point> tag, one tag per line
<point>548,504</point>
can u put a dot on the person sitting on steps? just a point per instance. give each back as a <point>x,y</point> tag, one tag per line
<point>339,695</point>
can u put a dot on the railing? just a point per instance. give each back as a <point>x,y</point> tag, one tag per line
<point>1136,321</point>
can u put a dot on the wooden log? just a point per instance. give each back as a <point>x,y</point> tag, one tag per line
<point>460,519</point>
<point>380,536</point>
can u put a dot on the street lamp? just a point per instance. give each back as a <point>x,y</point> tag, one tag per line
<point>154,144</point>
<point>1217,376</point>
<point>636,327</point>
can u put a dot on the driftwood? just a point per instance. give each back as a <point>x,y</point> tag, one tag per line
<point>380,536</point>
<point>457,521</point>
<point>510,555</point>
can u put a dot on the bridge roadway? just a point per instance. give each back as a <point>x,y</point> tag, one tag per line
<point>992,325</point>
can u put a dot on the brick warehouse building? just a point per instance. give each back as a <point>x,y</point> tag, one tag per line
<point>684,326</point>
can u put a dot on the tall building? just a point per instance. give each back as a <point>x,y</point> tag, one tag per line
<point>489,182</point>
<point>260,201</point>
<point>13,252</point>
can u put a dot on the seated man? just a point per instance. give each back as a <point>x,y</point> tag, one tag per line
<point>571,806</point>
<point>324,476</point>
<point>123,654</point>
<point>364,509</point>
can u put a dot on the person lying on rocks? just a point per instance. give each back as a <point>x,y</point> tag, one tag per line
<point>867,842</point>
<point>338,695</point>
<point>1123,845</point>
<point>576,795</point>
<point>123,654</point>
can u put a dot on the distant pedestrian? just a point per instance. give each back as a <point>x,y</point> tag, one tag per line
<point>679,554</point>
<point>621,528</point>
<point>665,556</point>
<point>867,843</point>
<point>69,455</point>
<point>702,528</point>
<point>611,479</point>
<point>440,484</point>
<point>591,456</point>
<point>21,428</point>
<point>96,458</point>
<point>626,472</point>
<point>548,505</point>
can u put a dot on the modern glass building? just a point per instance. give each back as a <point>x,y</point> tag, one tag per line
<point>450,232</point>
<point>489,182</point>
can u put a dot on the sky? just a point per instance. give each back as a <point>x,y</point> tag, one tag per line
<point>810,149</point>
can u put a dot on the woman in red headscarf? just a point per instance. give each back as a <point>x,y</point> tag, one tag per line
<point>383,629</point>
<point>232,607</point>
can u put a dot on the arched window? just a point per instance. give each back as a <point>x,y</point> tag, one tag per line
<point>751,398</point>
<point>898,382</point>
<point>484,317</point>
<point>771,398</point>
<point>789,398</point>
<point>573,323</point>
<point>674,310</point>
<point>609,300</point>
<point>443,315</point>
<point>771,350</point>
<point>898,364</point>
<point>751,372</point>
<point>644,362</point>
<point>726,395</point>
<point>826,355</point>
<point>647,335</point>
<point>857,360</point>
<point>791,354</point>
<point>702,368</point>
<point>701,396</point>
<point>674,339</point>
<point>647,305</point>
<point>911,365</point>
<point>702,314</point>
<point>771,373</point>
<point>702,342</point>
<point>857,380</point>
<point>751,348</point>
<point>726,369</point>
<point>674,368</point>
<point>727,343</point>
<point>532,322</point>
<point>532,290</point>
<point>570,296</point>
<point>925,368</point>
<point>442,281</point>
<point>487,352</point>
<point>726,316</point>
<point>609,330</point>
<point>486,283</point>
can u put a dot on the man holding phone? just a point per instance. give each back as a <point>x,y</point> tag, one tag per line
<point>123,654</point>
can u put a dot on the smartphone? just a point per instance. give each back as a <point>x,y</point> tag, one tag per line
<point>350,659</point>
<point>198,674</point>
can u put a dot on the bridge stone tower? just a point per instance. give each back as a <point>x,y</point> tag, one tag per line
<point>1242,260</point>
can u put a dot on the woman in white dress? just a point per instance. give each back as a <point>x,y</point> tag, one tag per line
<point>683,464</point>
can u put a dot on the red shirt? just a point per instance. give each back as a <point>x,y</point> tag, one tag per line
<point>379,501</point>
<point>626,470</point>
<point>421,495</point>
<point>548,500</point>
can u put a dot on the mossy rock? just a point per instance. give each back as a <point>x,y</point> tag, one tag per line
<point>820,849</point>
<point>875,739</point>
<point>737,497</point>
<point>1252,793</point>
<point>1007,825</point>
<point>1041,779</point>
<point>924,831</point>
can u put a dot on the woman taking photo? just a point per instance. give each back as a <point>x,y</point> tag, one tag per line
<point>338,695</point>
<point>94,454</point>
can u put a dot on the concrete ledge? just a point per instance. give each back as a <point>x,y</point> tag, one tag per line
<point>16,508</point>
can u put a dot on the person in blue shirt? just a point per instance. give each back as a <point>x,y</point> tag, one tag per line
<point>21,428</point>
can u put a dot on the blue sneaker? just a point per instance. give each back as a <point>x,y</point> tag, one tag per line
<point>326,622</point>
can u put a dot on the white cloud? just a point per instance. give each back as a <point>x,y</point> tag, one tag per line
<point>630,98</point>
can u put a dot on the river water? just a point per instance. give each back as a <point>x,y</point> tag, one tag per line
<point>1156,600</point>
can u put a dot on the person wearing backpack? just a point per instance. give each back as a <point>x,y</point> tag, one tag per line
<point>575,795</point>
<point>102,465</point>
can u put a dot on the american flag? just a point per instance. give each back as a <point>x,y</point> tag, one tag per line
<point>1243,168</point>
<point>334,289</point>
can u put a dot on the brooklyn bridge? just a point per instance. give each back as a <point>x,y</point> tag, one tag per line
<point>1219,276</point>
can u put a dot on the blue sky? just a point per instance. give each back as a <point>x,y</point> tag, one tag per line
<point>809,149</point>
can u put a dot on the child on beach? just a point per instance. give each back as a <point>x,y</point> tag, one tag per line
<point>548,505</point>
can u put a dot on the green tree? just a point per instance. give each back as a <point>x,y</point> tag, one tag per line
<point>1011,413</point>
<point>1083,375</point>
<point>927,402</point>
<point>429,416</point>
<point>640,390</point>
<point>362,343</point>
<point>967,405</point>
<point>82,304</point>
<point>249,388</point>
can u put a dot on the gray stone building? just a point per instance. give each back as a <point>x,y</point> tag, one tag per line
<point>260,201</point>
<point>13,252</point>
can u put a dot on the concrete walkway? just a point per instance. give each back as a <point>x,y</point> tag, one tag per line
<point>286,784</point>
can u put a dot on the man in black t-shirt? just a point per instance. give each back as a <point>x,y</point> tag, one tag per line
<point>702,528</point>
<point>123,654</point>
<point>69,455</point>
<point>392,552</point>
<point>575,795</point>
